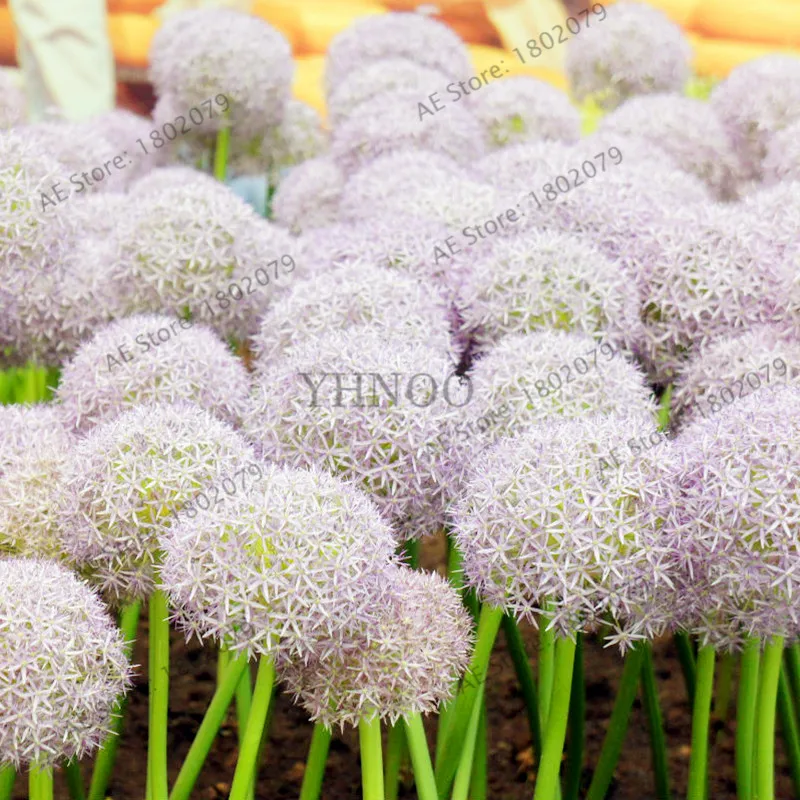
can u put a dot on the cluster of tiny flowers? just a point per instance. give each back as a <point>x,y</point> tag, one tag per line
<point>308,196</point>
<point>280,567</point>
<point>62,665</point>
<point>170,177</point>
<point>782,162</point>
<point>406,661</point>
<point>775,211</point>
<point>517,166</point>
<point>636,50</point>
<point>125,479</point>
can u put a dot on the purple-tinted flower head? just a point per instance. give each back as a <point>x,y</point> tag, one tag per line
<point>382,77</point>
<point>782,162</point>
<point>308,196</point>
<point>395,35</point>
<point>403,661</point>
<point>191,60</point>
<point>758,99</point>
<point>734,367</point>
<point>686,128</point>
<point>62,665</point>
<point>173,177</point>
<point>34,448</point>
<point>516,166</point>
<point>391,123</point>
<point>635,50</point>
<point>151,358</point>
<point>13,109</point>
<point>125,480</point>
<point>281,566</point>
<point>353,295</point>
<point>375,423</point>
<point>564,513</point>
<point>774,212</point>
<point>548,279</point>
<point>121,128</point>
<point>521,109</point>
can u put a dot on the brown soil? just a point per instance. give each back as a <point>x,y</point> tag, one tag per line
<point>510,763</point>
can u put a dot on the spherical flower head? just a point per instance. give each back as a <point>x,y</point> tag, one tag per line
<point>13,110</point>
<point>404,662</point>
<point>121,128</point>
<point>281,566</point>
<point>34,448</point>
<point>563,513</point>
<point>521,109</point>
<point>62,665</point>
<point>635,50</point>
<point>515,166</point>
<point>191,59</point>
<point>383,36</point>
<point>391,123</point>
<point>775,213</point>
<point>737,527</point>
<point>126,479</point>
<point>734,367</point>
<point>756,100</point>
<point>172,177</point>
<point>376,423</point>
<point>689,130</point>
<point>308,196</point>
<point>782,162</point>
<point>350,296</point>
<point>378,78</point>
<point>548,279</point>
<point>151,358</point>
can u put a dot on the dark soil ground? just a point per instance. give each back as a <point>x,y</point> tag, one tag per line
<point>510,758</point>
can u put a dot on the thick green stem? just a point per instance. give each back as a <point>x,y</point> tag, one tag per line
<point>8,777</point>
<point>686,660</point>
<point>488,625</point>
<point>765,720</point>
<point>40,783</point>
<point>420,758</point>
<point>159,695</point>
<point>652,706</point>
<point>746,705</point>
<point>722,699</point>
<point>547,642</point>
<point>618,725</point>
<point>479,784</point>
<point>395,750</point>
<point>107,757</point>
<point>212,721</point>
<point>464,772</point>
<point>72,775</point>
<point>369,739</point>
<point>547,779</point>
<point>701,714</point>
<point>221,153</point>
<point>792,657</point>
<point>315,763</point>
<point>527,683</point>
<point>245,775</point>
<point>791,740</point>
<point>577,726</point>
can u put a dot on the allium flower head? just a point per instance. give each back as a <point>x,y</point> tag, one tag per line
<point>13,110</point>
<point>172,177</point>
<point>515,166</point>
<point>280,566</point>
<point>548,516</point>
<point>782,162</point>
<point>151,358</point>
<point>521,108</point>
<point>308,196</point>
<point>191,59</point>
<point>404,662</point>
<point>62,665</point>
<point>391,123</point>
<point>686,128</point>
<point>734,367</point>
<point>380,432</point>
<point>34,448</point>
<point>756,100</point>
<point>547,279</point>
<point>125,480</point>
<point>353,295</point>
<point>774,212</point>
<point>121,128</point>
<point>635,50</point>
<point>395,35</point>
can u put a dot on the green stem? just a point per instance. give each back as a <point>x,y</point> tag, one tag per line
<point>664,408</point>
<point>221,153</point>
<point>72,775</point>
<point>488,625</point>
<point>547,641</point>
<point>701,714</point>
<point>479,784</point>
<point>527,683</point>
<point>577,726</point>
<point>158,680</point>
<point>420,758</point>
<point>765,721</point>
<point>746,705</point>
<point>652,706</point>
<point>464,771</point>
<point>547,779</point>
<point>244,699</point>
<point>686,660</point>
<point>791,740</point>
<point>395,750</point>
<point>107,757</point>
<point>8,777</point>
<point>722,701</point>
<point>618,725</point>
<point>41,783</point>
<point>246,767</point>
<point>792,656</point>
<point>212,721</point>
<point>314,772</point>
<point>369,739</point>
